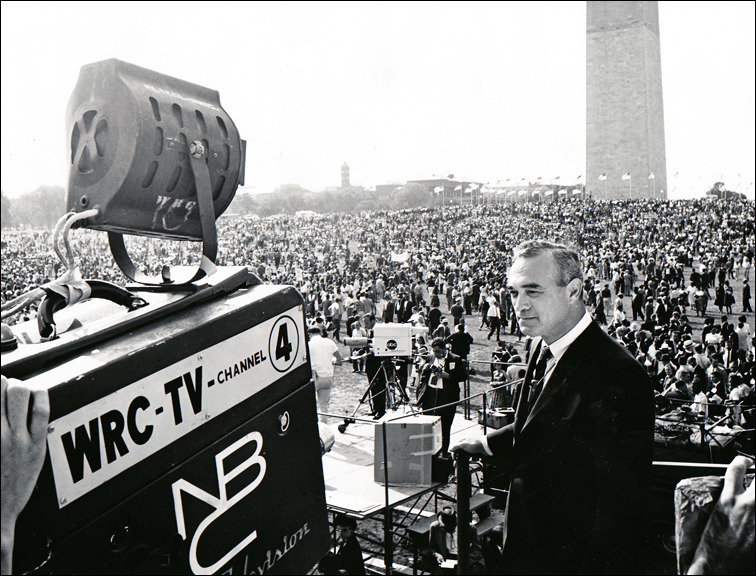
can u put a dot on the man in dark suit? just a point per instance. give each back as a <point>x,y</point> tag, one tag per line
<point>434,318</point>
<point>348,554</point>
<point>443,375</point>
<point>581,445</point>
<point>389,310</point>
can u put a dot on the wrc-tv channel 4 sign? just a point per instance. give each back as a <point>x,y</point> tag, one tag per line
<point>97,442</point>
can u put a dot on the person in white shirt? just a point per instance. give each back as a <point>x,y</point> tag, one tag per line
<point>743,331</point>
<point>323,355</point>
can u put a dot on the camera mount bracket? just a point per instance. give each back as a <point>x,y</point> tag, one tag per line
<point>201,173</point>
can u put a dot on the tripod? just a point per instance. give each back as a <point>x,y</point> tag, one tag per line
<point>384,392</point>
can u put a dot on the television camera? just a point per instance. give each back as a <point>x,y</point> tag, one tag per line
<point>394,344</point>
<point>390,339</point>
<point>183,435</point>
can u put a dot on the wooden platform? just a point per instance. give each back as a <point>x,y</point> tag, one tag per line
<point>348,470</point>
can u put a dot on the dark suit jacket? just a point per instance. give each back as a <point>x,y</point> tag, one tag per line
<point>349,557</point>
<point>581,464</point>
<point>437,543</point>
<point>388,311</point>
<point>460,343</point>
<point>431,397</point>
<point>403,311</point>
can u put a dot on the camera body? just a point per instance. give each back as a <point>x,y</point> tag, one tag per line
<point>183,436</point>
<point>394,339</point>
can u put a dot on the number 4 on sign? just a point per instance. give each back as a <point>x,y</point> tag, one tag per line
<point>221,504</point>
<point>283,346</point>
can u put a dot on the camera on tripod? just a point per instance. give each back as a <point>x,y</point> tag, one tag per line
<point>390,339</point>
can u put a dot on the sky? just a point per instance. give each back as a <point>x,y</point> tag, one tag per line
<point>397,90</point>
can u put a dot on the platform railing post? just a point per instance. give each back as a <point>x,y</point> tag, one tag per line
<point>463,512</point>
<point>388,539</point>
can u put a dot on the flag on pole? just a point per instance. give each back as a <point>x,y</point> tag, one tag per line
<point>473,186</point>
<point>651,176</point>
<point>626,176</point>
<point>458,188</point>
<point>602,176</point>
<point>438,189</point>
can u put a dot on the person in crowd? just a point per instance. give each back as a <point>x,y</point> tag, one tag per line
<point>443,375</point>
<point>324,353</point>
<point>747,296</point>
<point>460,341</point>
<point>457,310</point>
<point>443,331</point>
<point>346,557</point>
<point>499,357</point>
<point>357,353</point>
<point>440,556</point>
<point>743,332</point>
<point>494,318</point>
<point>583,426</point>
<point>336,315</point>
<point>434,317</point>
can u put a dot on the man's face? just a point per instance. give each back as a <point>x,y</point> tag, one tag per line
<point>343,533</point>
<point>439,352</point>
<point>542,308</point>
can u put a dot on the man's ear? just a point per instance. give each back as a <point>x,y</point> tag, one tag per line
<point>575,289</point>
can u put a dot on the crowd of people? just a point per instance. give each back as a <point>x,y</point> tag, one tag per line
<point>420,265</point>
<point>648,267</point>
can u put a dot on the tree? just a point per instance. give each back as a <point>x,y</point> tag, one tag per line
<point>40,208</point>
<point>6,218</point>
<point>410,196</point>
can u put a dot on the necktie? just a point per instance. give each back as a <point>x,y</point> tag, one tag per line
<point>538,375</point>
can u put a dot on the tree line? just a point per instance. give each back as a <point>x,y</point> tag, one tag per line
<point>41,208</point>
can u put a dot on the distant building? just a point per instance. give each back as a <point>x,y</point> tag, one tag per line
<point>445,184</point>
<point>384,189</point>
<point>345,176</point>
